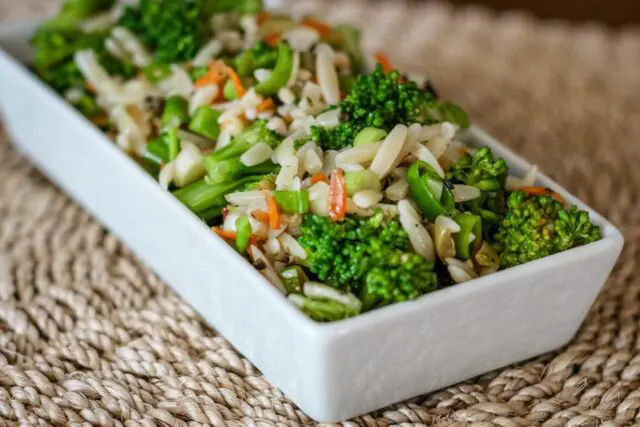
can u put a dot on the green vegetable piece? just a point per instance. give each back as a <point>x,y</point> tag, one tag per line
<point>176,112</point>
<point>326,310</point>
<point>157,153</point>
<point>257,132</point>
<point>212,214</point>
<point>197,73</point>
<point>220,171</point>
<point>156,72</point>
<point>75,11</point>
<point>261,55</point>
<point>173,143</point>
<point>535,226</point>
<point>454,114</point>
<point>237,6</point>
<point>280,74</point>
<point>200,197</point>
<point>369,135</point>
<point>243,233</point>
<point>469,224</point>
<point>418,176</point>
<point>293,279</point>
<point>230,93</point>
<point>292,202</point>
<point>346,82</point>
<point>205,122</point>
<point>361,180</point>
<point>370,257</point>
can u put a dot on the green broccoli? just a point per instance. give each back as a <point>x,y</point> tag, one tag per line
<point>480,170</point>
<point>176,29</point>
<point>381,100</point>
<point>370,257</point>
<point>483,171</point>
<point>536,226</point>
<point>224,164</point>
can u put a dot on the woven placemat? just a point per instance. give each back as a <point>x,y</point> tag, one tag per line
<point>89,335</point>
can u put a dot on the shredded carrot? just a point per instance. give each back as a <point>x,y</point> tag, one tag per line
<point>225,234</point>
<point>322,28</point>
<point>543,191</point>
<point>318,177</point>
<point>265,105</point>
<point>261,216</point>
<point>272,39</point>
<point>215,75</point>
<point>100,120</point>
<point>237,83</point>
<point>383,60</point>
<point>262,17</point>
<point>337,195</point>
<point>274,213</point>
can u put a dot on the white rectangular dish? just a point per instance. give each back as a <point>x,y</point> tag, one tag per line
<point>332,371</point>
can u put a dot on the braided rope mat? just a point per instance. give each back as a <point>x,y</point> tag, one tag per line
<point>89,335</point>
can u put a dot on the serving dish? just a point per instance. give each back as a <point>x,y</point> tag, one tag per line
<point>332,371</point>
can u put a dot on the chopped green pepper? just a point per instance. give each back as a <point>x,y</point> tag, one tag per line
<point>156,72</point>
<point>201,196</point>
<point>176,112</point>
<point>361,180</point>
<point>197,73</point>
<point>419,175</point>
<point>469,224</point>
<point>369,135</point>
<point>230,93</point>
<point>205,122</point>
<point>280,74</point>
<point>293,278</point>
<point>243,233</point>
<point>292,202</point>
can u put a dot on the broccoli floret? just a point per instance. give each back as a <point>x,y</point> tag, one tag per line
<point>536,226</point>
<point>378,99</point>
<point>370,257</point>
<point>483,171</point>
<point>176,29</point>
<point>480,170</point>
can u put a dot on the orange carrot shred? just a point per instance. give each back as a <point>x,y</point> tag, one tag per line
<point>337,195</point>
<point>383,60</point>
<point>215,75</point>
<point>543,191</point>
<point>319,177</point>
<point>265,105</point>
<point>262,17</point>
<point>225,234</point>
<point>272,39</point>
<point>237,83</point>
<point>322,28</point>
<point>274,213</point>
<point>261,216</point>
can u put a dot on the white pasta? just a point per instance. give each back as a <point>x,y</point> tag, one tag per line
<point>367,198</point>
<point>327,77</point>
<point>207,53</point>
<point>202,96</point>
<point>188,165</point>
<point>418,236</point>
<point>360,155</point>
<point>398,190</point>
<point>318,198</point>
<point>423,153</point>
<point>389,151</point>
<point>464,193</point>
<point>256,155</point>
<point>288,170</point>
<point>292,247</point>
<point>244,198</point>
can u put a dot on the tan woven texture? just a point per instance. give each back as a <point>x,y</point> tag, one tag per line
<point>89,335</point>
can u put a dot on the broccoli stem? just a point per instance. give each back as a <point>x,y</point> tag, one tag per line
<point>201,196</point>
<point>469,224</point>
<point>205,122</point>
<point>220,171</point>
<point>176,112</point>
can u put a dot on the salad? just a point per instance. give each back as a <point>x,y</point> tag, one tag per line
<point>345,182</point>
